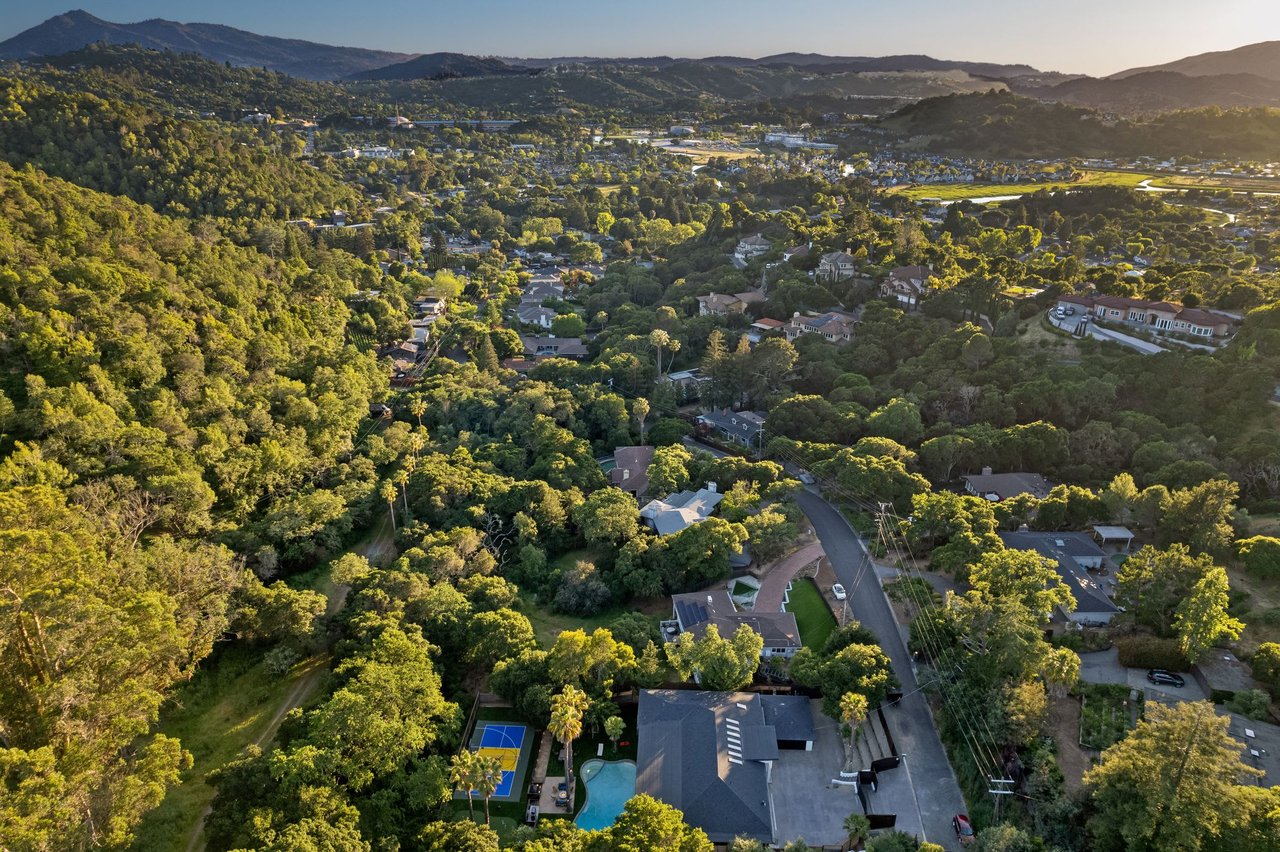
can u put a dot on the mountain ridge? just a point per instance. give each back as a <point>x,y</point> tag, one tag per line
<point>1261,59</point>
<point>76,29</point>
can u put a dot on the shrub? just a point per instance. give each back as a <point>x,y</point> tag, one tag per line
<point>1151,652</point>
<point>1253,703</point>
<point>1260,555</point>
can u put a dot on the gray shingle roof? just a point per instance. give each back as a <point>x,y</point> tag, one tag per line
<point>790,715</point>
<point>685,759</point>
<point>1065,549</point>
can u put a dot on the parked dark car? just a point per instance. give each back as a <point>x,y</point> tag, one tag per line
<point>964,829</point>
<point>1165,678</point>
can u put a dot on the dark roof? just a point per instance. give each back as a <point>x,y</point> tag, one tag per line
<point>696,610</point>
<point>692,754</point>
<point>790,715</point>
<point>744,426</point>
<point>1065,548</point>
<point>550,347</point>
<point>1006,485</point>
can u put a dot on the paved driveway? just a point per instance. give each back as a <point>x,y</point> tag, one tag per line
<point>773,586</point>
<point>1104,667</point>
<point>806,804</point>
<point>926,764</point>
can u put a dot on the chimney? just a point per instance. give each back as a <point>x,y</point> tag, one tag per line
<point>711,486</point>
<point>709,600</point>
<point>626,474</point>
<point>986,471</point>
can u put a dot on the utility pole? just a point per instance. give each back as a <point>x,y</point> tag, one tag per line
<point>1000,787</point>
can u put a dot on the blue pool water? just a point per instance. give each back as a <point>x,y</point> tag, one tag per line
<point>609,786</point>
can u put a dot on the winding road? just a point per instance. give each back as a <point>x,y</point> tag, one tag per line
<point>937,792</point>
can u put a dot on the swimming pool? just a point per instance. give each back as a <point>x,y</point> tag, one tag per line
<point>609,785</point>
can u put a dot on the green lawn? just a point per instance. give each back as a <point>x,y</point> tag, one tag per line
<point>231,702</point>
<point>812,614</point>
<point>959,191</point>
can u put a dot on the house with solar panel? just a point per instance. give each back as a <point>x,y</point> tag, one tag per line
<point>695,611</point>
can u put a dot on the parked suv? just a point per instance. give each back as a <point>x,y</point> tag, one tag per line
<point>1165,678</point>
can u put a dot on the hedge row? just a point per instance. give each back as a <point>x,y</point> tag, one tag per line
<point>1150,652</point>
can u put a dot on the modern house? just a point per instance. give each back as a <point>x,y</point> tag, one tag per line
<point>1160,316</point>
<point>554,347</point>
<point>676,512</point>
<point>836,266</point>
<point>693,612</point>
<point>743,427</point>
<point>631,470</point>
<point>835,326</point>
<point>908,285</point>
<point>723,304</point>
<point>1080,563</point>
<point>1001,486</point>
<point>711,755</point>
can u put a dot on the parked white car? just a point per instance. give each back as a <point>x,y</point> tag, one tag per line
<point>838,592</point>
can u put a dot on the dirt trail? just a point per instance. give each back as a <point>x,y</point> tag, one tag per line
<point>380,545</point>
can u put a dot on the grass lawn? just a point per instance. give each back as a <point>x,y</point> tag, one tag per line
<point>1105,715</point>
<point>1235,184</point>
<point>812,614</point>
<point>230,703</point>
<point>959,191</point>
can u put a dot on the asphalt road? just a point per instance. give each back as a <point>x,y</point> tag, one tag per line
<point>936,790</point>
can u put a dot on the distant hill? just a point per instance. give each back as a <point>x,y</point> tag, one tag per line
<point>1161,91</point>
<point>999,124</point>
<point>1261,59</point>
<point>442,66</point>
<point>815,62</point>
<point>74,30</point>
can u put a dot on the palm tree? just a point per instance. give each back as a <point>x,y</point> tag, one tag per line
<point>853,710</point>
<point>389,494</point>
<point>567,710</point>
<point>402,479</point>
<point>640,410</point>
<point>488,775</point>
<point>418,408</point>
<point>462,771</point>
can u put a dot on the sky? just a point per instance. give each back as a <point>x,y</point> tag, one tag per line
<point>1075,36</point>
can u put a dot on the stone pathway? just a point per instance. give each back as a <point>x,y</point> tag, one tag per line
<point>773,586</point>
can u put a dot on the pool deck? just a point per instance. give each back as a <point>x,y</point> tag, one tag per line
<point>547,801</point>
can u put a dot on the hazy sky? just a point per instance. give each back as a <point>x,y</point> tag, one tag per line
<point>1090,36</point>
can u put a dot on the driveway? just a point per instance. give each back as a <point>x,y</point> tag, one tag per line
<point>925,764</point>
<point>806,804</point>
<point>1104,667</point>
<point>773,586</point>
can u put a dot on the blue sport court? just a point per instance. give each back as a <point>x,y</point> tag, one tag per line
<point>506,742</point>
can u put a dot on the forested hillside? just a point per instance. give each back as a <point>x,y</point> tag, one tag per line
<point>181,168</point>
<point>163,391</point>
<point>1003,125</point>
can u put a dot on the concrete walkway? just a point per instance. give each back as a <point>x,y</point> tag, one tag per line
<point>773,586</point>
